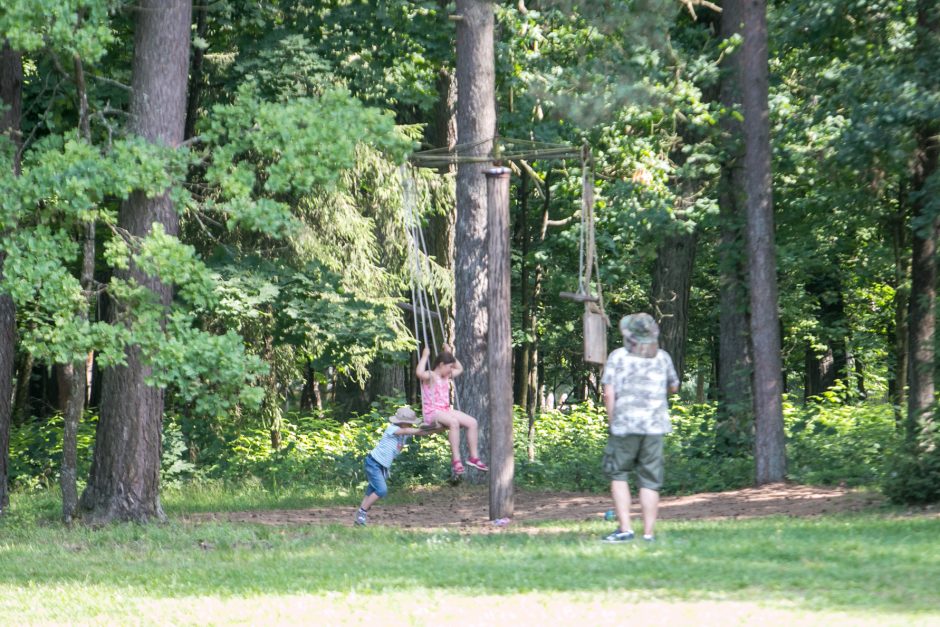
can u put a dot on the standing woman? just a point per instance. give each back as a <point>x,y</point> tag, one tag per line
<point>638,379</point>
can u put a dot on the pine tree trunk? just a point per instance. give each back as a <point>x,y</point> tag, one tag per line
<point>534,400</point>
<point>310,397</point>
<point>11,97</point>
<point>734,362</point>
<point>897,383</point>
<point>441,133</point>
<point>769,453</point>
<point>823,370</point>
<point>476,125</point>
<point>124,483</point>
<point>68,473</point>
<point>196,74</point>
<point>524,352</point>
<point>671,286</point>
<point>74,373</point>
<point>22,408</point>
<point>926,225</point>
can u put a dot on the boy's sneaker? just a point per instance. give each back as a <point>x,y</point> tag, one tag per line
<point>649,539</point>
<point>476,462</point>
<point>361,516</point>
<point>619,536</point>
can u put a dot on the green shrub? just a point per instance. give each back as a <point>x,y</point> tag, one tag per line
<point>830,441</point>
<point>913,477</point>
<point>36,451</point>
<point>568,448</point>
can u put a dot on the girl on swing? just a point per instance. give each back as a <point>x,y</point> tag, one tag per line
<point>435,405</point>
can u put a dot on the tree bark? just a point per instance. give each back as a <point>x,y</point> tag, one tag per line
<point>671,286</point>
<point>733,368</point>
<point>823,370</point>
<point>476,125</point>
<point>22,407</point>
<point>524,352</point>
<point>74,374</point>
<point>900,242</point>
<point>125,476</point>
<point>769,453</point>
<point>310,397</point>
<point>926,225</point>
<point>196,75</point>
<point>11,96</point>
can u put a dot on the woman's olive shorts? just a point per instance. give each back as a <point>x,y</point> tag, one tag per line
<point>639,452</point>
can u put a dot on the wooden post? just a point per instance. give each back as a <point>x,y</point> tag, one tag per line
<point>499,345</point>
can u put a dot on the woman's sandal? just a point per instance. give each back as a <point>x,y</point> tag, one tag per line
<point>457,467</point>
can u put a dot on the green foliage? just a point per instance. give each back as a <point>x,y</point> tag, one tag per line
<point>831,441</point>
<point>72,27</point>
<point>913,477</point>
<point>261,153</point>
<point>288,70</point>
<point>567,452</point>
<point>36,451</point>
<point>827,444</point>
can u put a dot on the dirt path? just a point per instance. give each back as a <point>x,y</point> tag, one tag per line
<point>468,507</point>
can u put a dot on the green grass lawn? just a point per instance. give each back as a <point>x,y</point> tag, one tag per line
<point>872,568</point>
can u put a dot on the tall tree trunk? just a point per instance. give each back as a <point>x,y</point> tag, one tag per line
<point>524,352</point>
<point>11,97</point>
<point>671,286</point>
<point>310,397</point>
<point>734,361</point>
<point>476,125</point>
<point>534,398</point>
<point>769,453</point>
<point>822,370</point>
<point>124,483</point>
<point>900,243</point>
<point>441,133</point>
<point>196,75</point>
<point>22,407</point>
<point>386,380</point>
<point>926,224</point>
<point>74,373</point>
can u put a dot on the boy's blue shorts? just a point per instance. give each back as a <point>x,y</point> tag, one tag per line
<point>376,475</point>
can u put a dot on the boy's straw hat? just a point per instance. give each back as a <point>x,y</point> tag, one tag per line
<point>404,415</point>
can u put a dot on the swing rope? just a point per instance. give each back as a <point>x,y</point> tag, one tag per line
<point>502,149</point>
<point>421,283</point>
<point>588,260</point>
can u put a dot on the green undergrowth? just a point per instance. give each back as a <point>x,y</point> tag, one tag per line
<point>829,441</point>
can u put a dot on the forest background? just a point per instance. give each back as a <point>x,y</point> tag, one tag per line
<point>203,284</point>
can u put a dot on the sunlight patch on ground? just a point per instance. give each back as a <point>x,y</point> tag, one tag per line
<point>93,605</point>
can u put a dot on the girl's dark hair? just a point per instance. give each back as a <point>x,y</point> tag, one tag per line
<point>443,357</point>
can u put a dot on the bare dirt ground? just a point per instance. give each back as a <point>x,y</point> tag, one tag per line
<point>467,507</point>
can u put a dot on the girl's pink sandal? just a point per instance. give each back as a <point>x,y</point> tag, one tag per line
<point>457,467</point>
<point>477,463</point>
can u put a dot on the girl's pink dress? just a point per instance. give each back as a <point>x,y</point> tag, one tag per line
<point>435,397</point>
